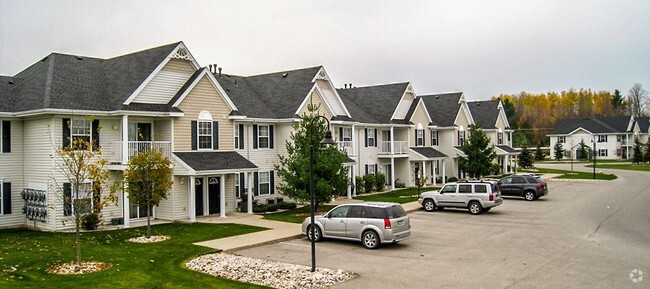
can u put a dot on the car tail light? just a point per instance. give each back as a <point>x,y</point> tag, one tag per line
<point>387,223</point>
<point>491,197</point>
<point>539,186</point>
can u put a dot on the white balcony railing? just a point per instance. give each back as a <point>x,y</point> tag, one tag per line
<point>134,147</point>
<point>399,147</point>
<point>346,146</point>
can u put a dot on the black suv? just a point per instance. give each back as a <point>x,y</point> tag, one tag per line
<point>528,187</point>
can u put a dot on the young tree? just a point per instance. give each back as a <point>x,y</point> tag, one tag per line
<point>583,152</point>
<point>637,154</point>
<point>525,158</point>
<point>637,97</point>
<point>618,102</point>
<point>86,177</point>
<point>148,178</point>
<point>330,177</point>
<point>479,153</point>
<point>558,151</point>
<point>539,154</point>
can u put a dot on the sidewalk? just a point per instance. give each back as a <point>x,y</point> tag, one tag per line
<point>277,231</point>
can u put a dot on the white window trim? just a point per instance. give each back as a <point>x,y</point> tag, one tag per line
<point>500,138</point>
<point>561,139</point>
<point>602,138</point>
<point>461,137</point>
<point>602,152</point>
<point>236,137</point>
<point>434,136</point>
<point>371,136</point>
<point>347,134</point>
<point>199,135</point>
<point>419,142</point>
<point>267,136</point>
<point>371,169</point>
<point>237,182</point>
<point>260,183</point>
<point>2,193</point>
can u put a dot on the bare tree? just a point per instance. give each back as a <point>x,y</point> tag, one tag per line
<point>637,98</point>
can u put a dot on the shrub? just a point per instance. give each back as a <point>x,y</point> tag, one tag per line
<point>359,183</point>
<point>496,169</point>
<point>117,221</point>
<point>90,221</point>
<point>286,205</point>
<point>452,179</point>
<point>368,182</point>
<point>380,182</point>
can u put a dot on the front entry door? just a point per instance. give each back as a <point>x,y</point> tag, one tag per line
<point>198,187</point>
<point>214,194</point>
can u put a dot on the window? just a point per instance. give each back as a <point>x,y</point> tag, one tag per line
<point>5,198</point>
<point>5,136</point>
<point>480,189</point>
<point>500,138</point>
<point>264,183</point>
<point>464,189</point>
<point>263,136</point>
<point>434,137</point>
<point>236,136</point>
<point>602,152</point>
<point>81,200</point>
<point>449,189</point>
<point>347,134</point>
<point>241,188</point>
<point>419,137</point>
<point>371,135</point>
<point>371,169</point>
<point>561,139</point>
<point>507,180</point>
<point>80,131</point>
<point>356,212</point>
<point>387,173</point>
<point>205,134</point>
<point>340,212</point>
<point>461,137</point>
<point>602,138</point>
<point>518,180</point>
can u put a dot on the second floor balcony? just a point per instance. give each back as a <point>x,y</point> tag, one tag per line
<point>398,147</point>
<point>346,146</point>
<point>134,147</point>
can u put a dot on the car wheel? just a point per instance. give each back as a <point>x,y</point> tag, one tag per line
<point>529,195</point>
<point>475,208</point>
<point>429,205</point>
<point>370,239</point>
<point>317,233</point>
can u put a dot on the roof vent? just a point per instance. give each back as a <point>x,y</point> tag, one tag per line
<point>11,82</point>
<point>219,71</point>
<point>478,104</point>
<point>235,81</point>
<point>437,96</point>
<point>285,74</point>
<point>44,58</point>
<point>79,58</point>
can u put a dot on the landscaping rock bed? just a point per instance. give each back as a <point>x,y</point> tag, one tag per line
<point>73,269</point>
<point>152,239</point>
<point>266,273</point>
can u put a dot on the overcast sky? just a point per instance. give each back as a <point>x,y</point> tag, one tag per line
<point>483,48</point>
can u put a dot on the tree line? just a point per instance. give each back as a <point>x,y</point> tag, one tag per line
<point>533,115</point>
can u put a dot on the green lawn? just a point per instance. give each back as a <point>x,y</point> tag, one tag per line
<point>296,215</point>
<point>397,196</point>
<point>155,265</point>
<point>631,167</point>
<point>572,175</point>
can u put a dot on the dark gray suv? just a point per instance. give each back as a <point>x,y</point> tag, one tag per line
<point>526,186</point>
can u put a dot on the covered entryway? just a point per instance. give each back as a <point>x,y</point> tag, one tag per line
<point>426,161</point>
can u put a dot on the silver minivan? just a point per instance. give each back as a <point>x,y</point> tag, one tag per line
<point>373,223</point>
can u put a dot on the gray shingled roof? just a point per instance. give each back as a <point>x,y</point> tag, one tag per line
<point>508,149</point>
<point>484,113</point>
<point>428,152</point>
<point>612,124</point>
<point>442,108</point>
<point>274,95</point>
<point>373,104</point>
<point>644,124</point>
<point>215,160</point>
<point>74,82</point>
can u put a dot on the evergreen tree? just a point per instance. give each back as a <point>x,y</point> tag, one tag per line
<point>637,155</point>
<point>539,154</point>
<point>330,177</point>
<point>646,157</point>
<point>525,158</point>
<point>558,151</point>
<point>479,153</point>
<point>583,152</point>
<point>618,102</point>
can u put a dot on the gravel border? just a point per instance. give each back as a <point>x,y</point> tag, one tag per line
<point>152,239</point>
<point>267,273</point>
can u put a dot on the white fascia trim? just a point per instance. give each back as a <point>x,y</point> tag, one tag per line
<point>237,117</point>
<point>344,122</point>
<point>502,114</point>
<point>214,83</point>
<point>577,129</point>
<point>401,99</point>
<point>221,172</point>
<point>379,125</point>
<point>158,69</point>
<point>311,91</point>
<point>331,85</point>
<point>269,120</point>
<point>421,102</point>
<point>630,124</point>
<point>92,112</point>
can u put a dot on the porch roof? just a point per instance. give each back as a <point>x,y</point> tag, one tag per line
<point>506,150</point>
<point>427,153</point>
<point>211,161</point>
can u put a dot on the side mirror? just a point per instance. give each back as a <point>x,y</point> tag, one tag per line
<point>499,183</point>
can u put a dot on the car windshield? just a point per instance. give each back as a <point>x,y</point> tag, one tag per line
<point>395,212</point>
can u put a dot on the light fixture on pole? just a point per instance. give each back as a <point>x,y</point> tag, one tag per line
<point>326,140</point>
<point>594,155</point>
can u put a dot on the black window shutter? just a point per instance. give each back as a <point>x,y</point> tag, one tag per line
<point>366,166</point>
<point>67,199</point>
<point>272,176</point>
<point>194,135</point>
<point>6,198</point>
<point>270,136</point>
<point>340,134</point>
<point>375,137</point>
<point>95,135</point>
<point>6,136</point>
<point>215,135</point>
<point>241,136</point>
<point>66,132</point>
<point>375,169</point>
<point>255,137</point>
<point>242,190</point>
<point>365,130</point>
<point>416,138</point>
<point>256,180</point>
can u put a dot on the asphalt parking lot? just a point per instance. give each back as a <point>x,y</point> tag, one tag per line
<point>583,234</point>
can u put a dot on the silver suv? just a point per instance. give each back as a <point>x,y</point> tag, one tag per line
<point>373,223</point>
<point>476,196</point>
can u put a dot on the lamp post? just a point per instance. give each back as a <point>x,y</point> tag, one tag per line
<point>327,140</point>
<point>594,156</point>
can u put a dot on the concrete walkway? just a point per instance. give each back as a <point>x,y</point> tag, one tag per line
<point>277,231</point>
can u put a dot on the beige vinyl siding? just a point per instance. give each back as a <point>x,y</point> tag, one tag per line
<point>165,209</point>
<point>110,138</point>
<point>330,96</point>
<point>316,99</point>
<point>113,210</point>
<point>11,171</point>
<point>404,105</point>
<point>162,130</point>
<point>203,97</point>
<point>231,202</point>
<point>421,120</point>
<point>164,85</point>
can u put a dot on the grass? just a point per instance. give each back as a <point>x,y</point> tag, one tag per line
<point>296,215</point>
<point>573,175</point>
<point>397,196</point>
<point>631,167</point>
<point>154,265</point>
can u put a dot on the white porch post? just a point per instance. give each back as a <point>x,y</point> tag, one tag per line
<point>392,173</point>
<point>249,200</point>
<point>222,196</point>
<point>352,180</point>
<point>424,171</point>
<point>125,139</point>
<point>353,137</point>
<point>392,142</point>
<point>192,199</point>
<point>127,209</point>
<point>444,175</point>
<point>504,164</point>
<point>433,173</point>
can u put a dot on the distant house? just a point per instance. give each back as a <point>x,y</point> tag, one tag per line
<point>613,136</point>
